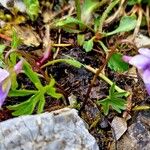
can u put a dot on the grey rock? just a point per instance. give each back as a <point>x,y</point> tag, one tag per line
<point>142,41</point>
<point>137,136</point>
<point>10,4</point>
<point>58,130</point>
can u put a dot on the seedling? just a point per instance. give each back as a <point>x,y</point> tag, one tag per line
<point>114,100</point>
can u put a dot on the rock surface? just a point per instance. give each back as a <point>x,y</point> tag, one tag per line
<point>59,130</point>
<point>10,4</point>
<point>137,136</point>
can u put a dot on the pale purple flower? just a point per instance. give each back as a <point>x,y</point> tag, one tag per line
<point>5,84</point>
<point>142,63</point>
<point>5,81</point>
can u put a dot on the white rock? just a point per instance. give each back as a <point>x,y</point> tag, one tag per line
<point>58,130</point>
<point>142,41</point>
<point>119,126</point>
<point>17,4</point>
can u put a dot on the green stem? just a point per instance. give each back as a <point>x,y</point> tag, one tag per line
<point>90,69</point>
<point>105,14</point>
<point>118,89</point>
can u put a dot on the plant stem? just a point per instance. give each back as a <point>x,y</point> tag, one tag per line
<point>136,30</point>
<point>118,89</point>
<point>105,14</point>
<point>95,77</point>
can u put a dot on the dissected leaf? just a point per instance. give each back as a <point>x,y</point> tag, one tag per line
<point>117,64</point>
<point>52,92</point>
<point>15,93</point>
<point>88,45</point>
<point>41,104</point>
<point>26,107</point>
<point>32,75</point>
<point>114,100</point>
<point>127,23</point>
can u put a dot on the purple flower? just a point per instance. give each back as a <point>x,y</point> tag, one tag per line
<point>5,81</point>
<point>142,63</point>
<point>5,84</point>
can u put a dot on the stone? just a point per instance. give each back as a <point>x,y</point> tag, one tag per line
<point>137,136</point>
<point>119,126</point>
<point>58,130</point>
<point>11,4</point>
<point>142,41</point>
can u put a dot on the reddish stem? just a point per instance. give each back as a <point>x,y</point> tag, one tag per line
<point>5,37</point>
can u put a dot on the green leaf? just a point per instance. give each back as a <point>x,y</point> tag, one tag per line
<point>52,92</point>
<point>80,39</point>
<point>87,10</point>
<point>73,62</point>
<point>33,8</point>
<point>32,75</point>
<point>14,44</point>
<point>133,2</point>
<point>69,24</point>
<point>88,45</point>
<point>112,90</point>
<point>105,105</point>
<point>15,40</point>
<point>117,64</point>
<point>127,23</point>
<point>67,21</point>
<point>52,82</point>
<point>2,48</point>
<point>41,104</point>
<point>119,94</point>
<point>114,100</point>
<point>70,61</point>
<point>14,83</point>
<point>26,107</point>
<point>15,93</point>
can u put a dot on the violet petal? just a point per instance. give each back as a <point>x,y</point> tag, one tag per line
<point>18,67</point>
<point>4,89</point>
<point>3,74</point>
<point>126,58</point>
<point>140,62</point>
<point>144,51</point>
<point>146,79</point>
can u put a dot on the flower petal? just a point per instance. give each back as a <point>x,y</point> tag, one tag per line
<point>126,58</point>
<point>3,74</point>
<point>18,67</point>
<point>140,62</point>
<point>4,89</point>
<point>146,79</point>
<point>144,51</point>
